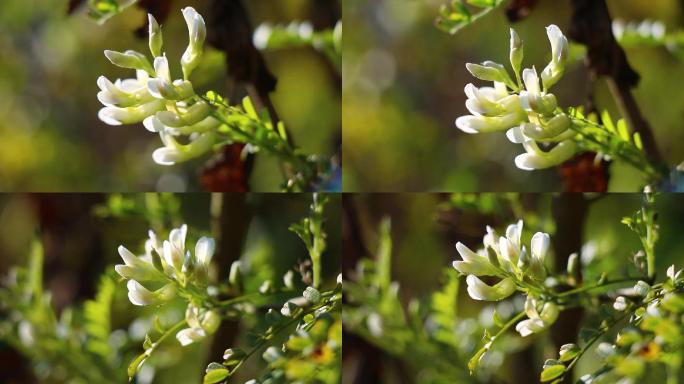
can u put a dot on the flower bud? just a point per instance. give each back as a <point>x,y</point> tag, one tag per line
<point>573,265</point>
<point>478,290</point>
<point>204,250</point>
<point>211,321</point>
<point>620,304</point>
<point>188,116</point>
<point>642,288</point>
<point>129,59</point>
<point>197,33</point>
<point>516,52</point>
<point>234,276</point>
<point>490,71</point>
<point>155,33</point>
<point>559,55</point>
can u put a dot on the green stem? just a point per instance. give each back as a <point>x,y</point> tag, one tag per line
<point>597,286</point>
<point>591,341</point>
<point>509,324</point>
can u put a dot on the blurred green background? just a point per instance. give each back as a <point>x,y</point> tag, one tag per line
<point>403,90</point>
<point>81,233</point>
<point>52,139</point>
<point>425,228</point>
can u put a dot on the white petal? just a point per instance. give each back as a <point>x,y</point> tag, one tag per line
<point>514,231</point>
<point>530,326</point>
<point>161,68</point>
<point>139,295</point>
<point>188,336</point>
<point>128,257</point>
<point>466,253</point>
<point>478,290</point>
<point>540,246</point>
<point>153,124</point>
<point>204,250</point>
<point>515,135</point>
<point>166,156</point>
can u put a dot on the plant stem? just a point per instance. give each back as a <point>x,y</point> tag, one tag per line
<point>591,341</point>
<point>597,286</point>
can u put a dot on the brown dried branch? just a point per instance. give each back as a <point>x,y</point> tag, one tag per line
<point>592,26</point>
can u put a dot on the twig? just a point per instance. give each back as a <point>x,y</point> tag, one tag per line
<point>592,26</point>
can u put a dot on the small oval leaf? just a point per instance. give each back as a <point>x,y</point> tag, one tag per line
<point>552,372</point>
<point>216,376</point>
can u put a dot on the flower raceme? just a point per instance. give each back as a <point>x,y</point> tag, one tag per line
<point>171,267</point>
<point>164,105</point>
<point>527,111</point>
<point>506,258</point>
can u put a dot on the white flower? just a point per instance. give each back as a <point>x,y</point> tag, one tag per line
<point>197,33</point>
<point>555,129</point>
<point>492,108</point>
<point>641,288</point>
<point>155,40</point>
<point>130,115</point>
<point>173,152</point>
<point>139,295</point>
<point>174,249</point>
<point>129,59</point>
<point>539,247</point>
<point>186,115</point>
<point>620,304</point>
<point>124,93</point>
<point>135,267</point>
<point>537,321</point>
<point>536,158</point>
<point>532,98</point>
<point>204,250</point>
<point>188,336</point>
<point>262,35</point>
<point>490,71</point>
<point>516,52</point>
<point>674,276</point>
<point>478,290</point>
<point>559,55</point>
<point>162,87</point>
<point>200,325</point>
<point>483,124</point>
<point>472,263</point>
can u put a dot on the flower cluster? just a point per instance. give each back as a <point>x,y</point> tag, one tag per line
<point>170,267</point>
<point>507,258</point>
<point>524,108</point>
<point>166,106</point>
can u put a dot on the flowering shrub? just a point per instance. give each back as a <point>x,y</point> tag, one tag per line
<point>191,125</point>
<point>530,115</point>
<point>295,324</point>
<point>434,336</point>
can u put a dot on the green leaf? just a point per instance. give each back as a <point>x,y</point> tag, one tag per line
<point>475,360</point>
<point>607,121</point>
<point>135,365</point>
<point>637,141</point>
<point>385,254</point>
<point>552,372</point>
<point>216,375</point>
<point>97,314</point>
<point>482,3</point>
<point>622,130</point>
<point>568,352</point>
<point>249,108</point>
